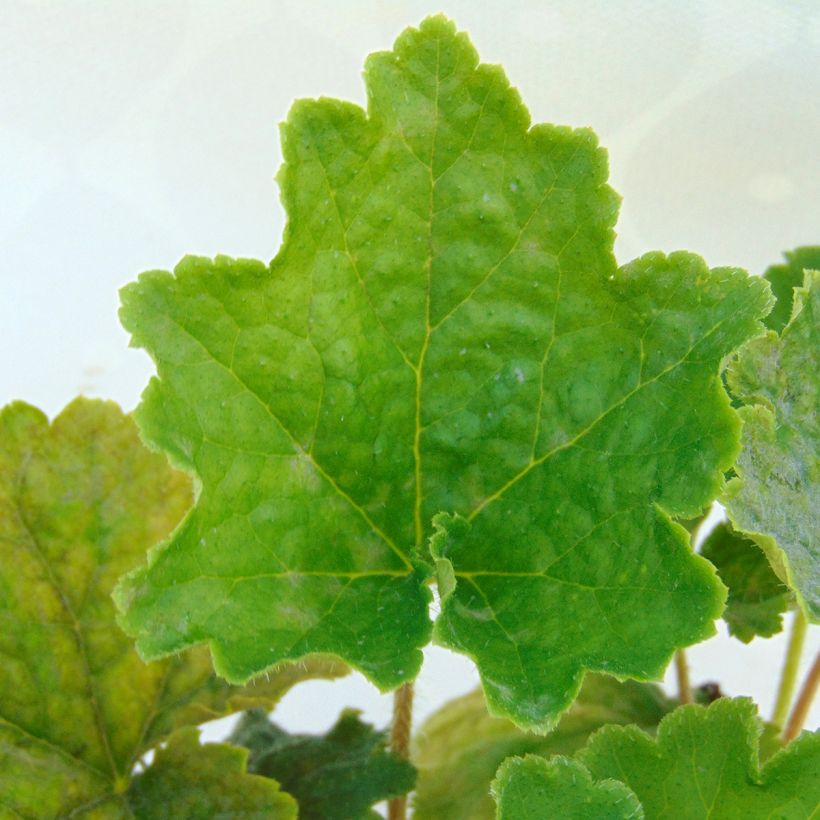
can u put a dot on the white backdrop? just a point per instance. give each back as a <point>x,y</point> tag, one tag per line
<point>135,131</point>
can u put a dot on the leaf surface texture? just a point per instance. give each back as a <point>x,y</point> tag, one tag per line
<point>530,787</point>
<point>704,764</point>
<point>776,495</point>
<point>444,330</point>
<point>80,501</point>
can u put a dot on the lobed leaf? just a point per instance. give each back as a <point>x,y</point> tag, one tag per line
<point>757,597</point>
<point>704,764</point>
<point>80,500</point>
<point>459,749</point>
<point>776,494</point>
<point>187,781</point>
<point>784,279</point>
<point>532,787</point>
<point>335,776</point>
<point>443,330</point>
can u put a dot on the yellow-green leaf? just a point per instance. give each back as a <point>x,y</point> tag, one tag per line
<point>187,781</point>
<point>80,501</point>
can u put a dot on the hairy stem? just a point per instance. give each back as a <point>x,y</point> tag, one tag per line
<point>803,702</point>
<point>682,670</point>
<point>791,663</point>
<point>400,741</point>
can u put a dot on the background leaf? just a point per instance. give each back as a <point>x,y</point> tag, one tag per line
<point>531,787</point>
<point>460,747</point>
<point>705,764</point>
<point>757,597</point>
<point>187,781</point>
<point>335,776</point>
<point>784,279</point>
<point>80,501</point>
<point>776,495</point>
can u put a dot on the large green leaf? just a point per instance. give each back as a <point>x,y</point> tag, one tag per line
<point>776,496</point>
<point>704,764</point>
<point>785,278</point>
<point>80,501</point>
<point>335,776</point>
<point>757,597</point>
<point>528,788</point>
<point>443,330</point>
<point>459,749</point>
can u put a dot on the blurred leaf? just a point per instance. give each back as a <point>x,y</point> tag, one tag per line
<point>757,597</point>
<point>784,279</point>
<point>459,749</point>
<point>335,776</point>
<point>187,781</point>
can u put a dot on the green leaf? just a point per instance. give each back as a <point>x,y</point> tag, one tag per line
<point>776,495</point>
<point>459,749</point>
<point>335,776</point>
<point>80,501</point>
<point>443,330</point>
<point>532,787</point>
<point>704,764</point>
<point>187,781</point>
<point>757,597</point>
<point>784,279</point>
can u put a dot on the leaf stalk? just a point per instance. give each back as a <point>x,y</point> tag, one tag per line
<point>791,664</point>
<point>803,703</point>
<point>400,741</point>
<point>682,671</point>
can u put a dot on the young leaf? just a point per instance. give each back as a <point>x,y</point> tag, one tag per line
<point>336,776</point>
<point>459,749</point>
<point>443,329</point>
<point>80,500</point>
<point>784,279</point>
<point>531,787</point>
<point>757,598</point>
<point>776,495</point>
<point>704,764</point>
<point>187,781</point>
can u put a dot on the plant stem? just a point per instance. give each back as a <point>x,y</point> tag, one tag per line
<point>803,702</point>
<point>400,741</point>
<point>788,677</point>
<point>682,669</point>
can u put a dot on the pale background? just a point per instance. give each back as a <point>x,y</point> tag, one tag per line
<point>133,132</point>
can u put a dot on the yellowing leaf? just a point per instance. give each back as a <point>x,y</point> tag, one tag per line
<point>776,496</point>
<point>191,782</point>
<point>444,330</point>
<point>80,501</point>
